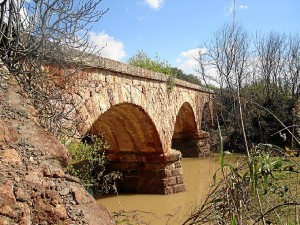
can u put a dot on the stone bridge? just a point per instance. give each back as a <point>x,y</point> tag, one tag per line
<point>148,126</point>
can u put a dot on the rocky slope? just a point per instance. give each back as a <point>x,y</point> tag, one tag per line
<point>34,189</point>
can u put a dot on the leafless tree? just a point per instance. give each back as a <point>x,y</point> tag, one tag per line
<point>39,33</point>
<point>226,63</point>
<point>227,55</point>
<point>271,60</point>
<point>292,75</point>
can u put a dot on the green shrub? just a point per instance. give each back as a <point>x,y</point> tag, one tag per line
<point>88,164</point>
<point>141,59</point>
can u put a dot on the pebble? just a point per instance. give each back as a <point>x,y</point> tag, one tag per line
<point>65,191</point>
<point>4,86</point>
<point>73,202</point>
<point>51,183</point>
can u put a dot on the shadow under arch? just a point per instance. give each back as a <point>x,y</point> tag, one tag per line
<point>206,121</point>
<point>127,128</point>
<point>186,137</point>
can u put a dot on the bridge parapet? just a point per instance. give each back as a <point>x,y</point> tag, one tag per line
<point>112,65</point>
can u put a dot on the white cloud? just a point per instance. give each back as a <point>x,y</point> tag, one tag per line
<point>243,7</point>
<point>188,63</point>
<point>112,48</point>
<point>186,60</point>
<point>155,4</point>
<point>229,10</point>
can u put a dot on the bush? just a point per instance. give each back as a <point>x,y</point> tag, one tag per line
<point>88,164</point>
<point>260,124</point>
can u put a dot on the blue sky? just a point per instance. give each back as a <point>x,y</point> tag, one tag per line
<point>176,29</point>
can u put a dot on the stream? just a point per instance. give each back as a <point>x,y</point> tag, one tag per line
<point>175,208</point>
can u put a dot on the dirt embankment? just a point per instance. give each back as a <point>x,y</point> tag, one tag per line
<point>34,189</point>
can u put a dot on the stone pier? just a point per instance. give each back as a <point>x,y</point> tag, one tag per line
<point>148,173</point>
<point>192,144</point>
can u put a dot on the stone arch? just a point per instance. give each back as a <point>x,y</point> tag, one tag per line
<point>185,123</point>
<point>127,128</point>
<point>185,136</point>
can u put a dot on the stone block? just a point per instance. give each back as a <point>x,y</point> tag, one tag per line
<point>178,188</point>
<point>203,135</point>
<point>168,173</point>
<point>169,181</point>
<point>171,166</point>
<point>168,190</point>
<point>177,164</point>
<point>177,171</point>
<point>179,179</point>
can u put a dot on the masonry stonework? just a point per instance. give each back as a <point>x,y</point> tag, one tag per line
<point>142,121</point>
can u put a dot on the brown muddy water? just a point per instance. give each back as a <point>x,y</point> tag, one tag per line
<point>175,208</point>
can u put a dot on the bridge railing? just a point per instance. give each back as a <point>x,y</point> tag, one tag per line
<point>116,66</point>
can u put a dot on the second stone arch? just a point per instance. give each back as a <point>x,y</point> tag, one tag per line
<point>190,141</point>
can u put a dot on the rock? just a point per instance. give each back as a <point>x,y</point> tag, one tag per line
<point>60,211</point>
<point>53,171</point>
<point>5,220</point>
<point>96,214</point>
<point>33,186</point>
<point>4,86</point>
<point>22,195</point>
<point>53,197</point>
<point>25,218</point>
<point>44,211</point>
<point>73,202</point>
<point>65,191</point>
<point>7,133</point>
<point>7,211</point>
<point>7,199</point>
<point>10,156</point>
<point>51,184</point>
<point>82,197</point>
<point>34,178</point>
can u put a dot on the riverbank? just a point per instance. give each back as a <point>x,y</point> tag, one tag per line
<point>34,188</point>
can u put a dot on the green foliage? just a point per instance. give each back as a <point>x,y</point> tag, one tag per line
<point>186,77</point>
<point>233,220</point>
<point>141,59</point>
<point>260,125</point>
<point>81,151</point>
<point>88,164</point>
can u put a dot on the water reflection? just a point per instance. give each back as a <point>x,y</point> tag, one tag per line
<point>175,208</point>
